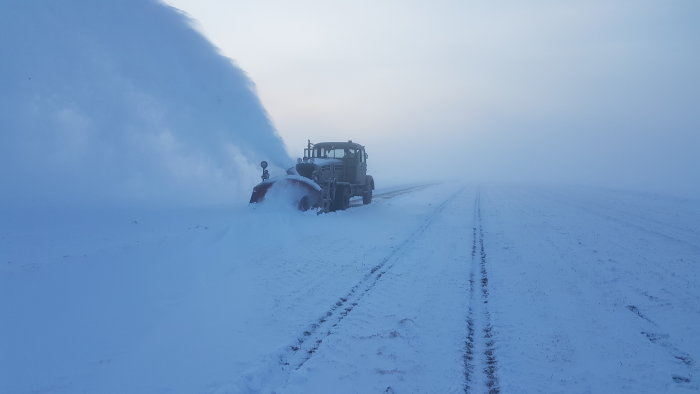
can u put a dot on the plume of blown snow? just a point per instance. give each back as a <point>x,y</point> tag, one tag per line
<point>123,101</point>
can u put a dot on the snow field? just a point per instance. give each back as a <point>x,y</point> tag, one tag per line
<point>585,291</point>
<point>181,300</point>
<point>407,333</point>
<point>594,304</point>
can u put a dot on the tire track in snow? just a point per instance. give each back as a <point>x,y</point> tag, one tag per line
<point>393,193</point>
<point>469,344</point>
<point>309,341</point>
<point>675,236</point>
<point>652,333</point>
<point>685,375</point>
<point>478,316</point>
<point>623,216</point>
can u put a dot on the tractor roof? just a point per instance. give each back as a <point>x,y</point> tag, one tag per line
<point>342,145</point>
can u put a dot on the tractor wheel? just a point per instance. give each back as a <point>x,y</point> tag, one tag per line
<point>346,199</point>
<point>304,204</point>
<point>367,197</point>
<point>369,186</point>
<point>342,198</point>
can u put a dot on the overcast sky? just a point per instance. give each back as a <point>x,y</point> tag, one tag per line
<point>591,92</point>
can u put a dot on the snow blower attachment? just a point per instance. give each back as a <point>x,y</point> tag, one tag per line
<point>329,174</point>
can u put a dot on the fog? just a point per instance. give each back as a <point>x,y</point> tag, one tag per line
<point>123,102</point>
<point>594,93</point>
<point>133,101</point>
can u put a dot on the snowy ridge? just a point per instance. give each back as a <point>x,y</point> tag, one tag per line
<point>107,102</point>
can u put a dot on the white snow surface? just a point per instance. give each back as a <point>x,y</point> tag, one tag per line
<point>440,288</point>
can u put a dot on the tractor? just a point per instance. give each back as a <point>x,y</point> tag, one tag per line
<point>328,175</point>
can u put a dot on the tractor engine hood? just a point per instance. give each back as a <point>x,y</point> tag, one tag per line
<point>307,168</point>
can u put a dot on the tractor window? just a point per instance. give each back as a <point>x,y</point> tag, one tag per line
<point>335,153</point>
<point>316,152</point>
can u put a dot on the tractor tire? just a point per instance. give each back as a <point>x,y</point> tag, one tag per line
<point>342,199</point>
<point>367,197</point>
<point>369,186</point>
<point>304,204</point>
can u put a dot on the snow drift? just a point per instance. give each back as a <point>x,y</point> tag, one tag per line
<point>123,101</point>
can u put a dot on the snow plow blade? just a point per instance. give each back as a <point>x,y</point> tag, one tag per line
<point>294,190</point>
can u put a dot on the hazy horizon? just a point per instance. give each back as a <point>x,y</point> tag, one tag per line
<point>593,93</point>
<point>135,101</point>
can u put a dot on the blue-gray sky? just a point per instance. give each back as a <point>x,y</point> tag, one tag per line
<point>591,92</point>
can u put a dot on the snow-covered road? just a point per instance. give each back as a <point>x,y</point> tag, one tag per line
<point>430,289</point>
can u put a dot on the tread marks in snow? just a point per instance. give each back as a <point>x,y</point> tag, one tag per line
<point>664,340</point>
<point>393,193</point>
<point>469,345</point>
<point>479,315</point>
<point>307,344</point>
